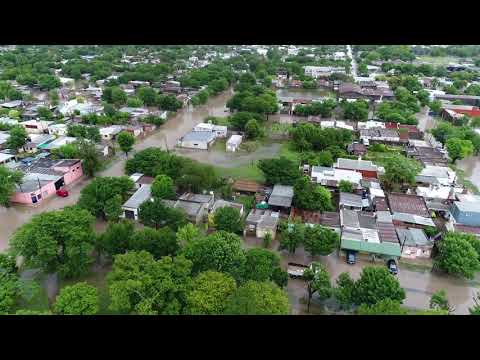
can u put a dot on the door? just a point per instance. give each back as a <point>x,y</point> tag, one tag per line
<point>129,214</point>
<point>34,199</point>
<point>59,183</point>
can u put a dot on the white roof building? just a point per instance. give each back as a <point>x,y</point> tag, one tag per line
<point>332,177</point>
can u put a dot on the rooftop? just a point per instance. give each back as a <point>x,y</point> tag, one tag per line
<point>247,186</point>
<point>327,218</point>
<point>282,195</point>
<point>358,164</point>
<point>196,198</point>
<point>349,199</point>
<point>199,136</point>
<point>468,206</point>
<point>408,204</point>
<point>263,218</point>
<point>139,197</point>
<point>412,237</point>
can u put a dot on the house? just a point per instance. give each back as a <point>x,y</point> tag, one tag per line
<point>58,129</point>
<point>197,140</point>
<point>12,104</point>
<point>281,196</point>
<point>357,149</point>
<point>134,112</point>
<point>141,179</point>
<point>219,130</point>
<point>414,243</point>
<point>366,168</point>
<point>6,159</point>
<point>247,186</point>
<point>234,143</point>
<point>428,155</point>
<point>58,142</point>
<point>383,136</point>
<point>37,140</point>
<point>206,199</point>
<point>352,201</point>
<point>436,192</point>
<point>466,213</point>
<point>194,211</point>
<point>69,107</point>
<point>433,175</point>
<point>371,124</point>
<point>331,177</point>
<point>135,130</point>
<point>466,99</point>
<point>36,126</point>
<point>8,121</point>
<point>363,233</point>
<point>222,203</point>
<point>260,222</point>
<point>472,111</point>
<point>43,177</point>
<point>409,210</point>
<point>131,206</point>
<point>109,133</point>
<point>318,71</point>
<point>4,136</point>
<point>327,219</point>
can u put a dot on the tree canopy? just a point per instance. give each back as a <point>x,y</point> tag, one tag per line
<point>77,299</point>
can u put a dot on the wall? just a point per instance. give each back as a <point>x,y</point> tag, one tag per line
<point>72,173</point>
<point>191,145</point>
<point>26,198</point>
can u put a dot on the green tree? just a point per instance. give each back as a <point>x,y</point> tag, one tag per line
<point>119,97</point>
<point>252,129</point>
<point>263,265</point>
<point>400,171</point>
<point>8,181</point>
<point>319,240</point>
<point>159,243</point>
<point>318,281</point>
<point>310,196</point>
<point>78,299</point>
<point>163,188</point>
<point>44,113</point>
<point>345,186</point>
<point>139,284</point>
<point>126,141</point>
<point>116,238</point>
<point>325,158</point>
<point>457,256</point>
<point>292,237</point>
<point>148,96</point>
<point>258,298</point>
<point>186,234</point>
<point>59,240</point>
<point>53,96</point>
<point>344,292</point>
<point>375,284</point>
<point>459,149</point>
<point>475,310</point>
<point>279,171</point>
<point>267,240</point>
<point>87,152</point>
<point>228,219</point>
<point>18,138</point>
<point>156,214</point>
<point>383,307</point>
<point>134,102</point>
<point>220,251</point>
<point>100,195</point>
<point>209,293</point>
<point>439,301</point>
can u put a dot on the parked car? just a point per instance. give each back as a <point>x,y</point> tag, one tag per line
<point>62,192</point>
<point>351,257</point>
<point>392,267</point>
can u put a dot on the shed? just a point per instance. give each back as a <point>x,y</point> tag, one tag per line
<point>282,196</point>
<point>234,143</point>
<point>132,206</point>
<point>197,140</point>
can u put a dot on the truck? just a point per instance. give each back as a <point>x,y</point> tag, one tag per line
<point>295,270</point>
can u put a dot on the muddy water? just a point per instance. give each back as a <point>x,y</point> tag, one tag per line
<point>419,286</point>
<point>176,127</point>
<point>471,166</point>
<point>309,94</point>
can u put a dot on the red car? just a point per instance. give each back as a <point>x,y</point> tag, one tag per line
<point>62,193</point>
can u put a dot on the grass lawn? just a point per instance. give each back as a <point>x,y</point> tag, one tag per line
<point>438,60</point>
<point>248,172</point>
<point>287,151</point>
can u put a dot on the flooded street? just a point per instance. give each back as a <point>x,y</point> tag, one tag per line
<point>15,216</point>
<point>298,93</point>
<point>425,121</point>
<point>471,166</point>
<point>419,286</point>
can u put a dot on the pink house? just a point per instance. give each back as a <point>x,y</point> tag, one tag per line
<point>44,177</point>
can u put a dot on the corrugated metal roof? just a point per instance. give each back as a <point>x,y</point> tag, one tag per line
<point>139,197</point>
<point>413,219</point>
<point>389,249</point>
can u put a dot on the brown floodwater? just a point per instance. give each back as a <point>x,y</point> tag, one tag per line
<point>15,216</point>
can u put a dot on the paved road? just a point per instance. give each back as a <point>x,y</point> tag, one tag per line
<point>354,63</point>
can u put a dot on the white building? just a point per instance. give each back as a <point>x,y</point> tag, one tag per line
<point>218,130</point>
<point>131,207</point>
<point>58,129</point>
<point>316,71</point>
<point>6,158</point>
<point>36,126</point>
<point>332,176</point>
<point>197,140</point>
<point>109,133</point>
<point>234,142</point>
